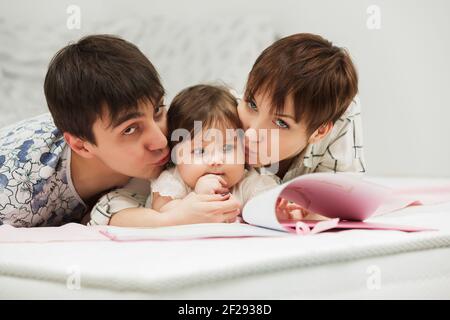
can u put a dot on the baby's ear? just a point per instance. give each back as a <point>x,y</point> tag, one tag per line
<point>321,132</point>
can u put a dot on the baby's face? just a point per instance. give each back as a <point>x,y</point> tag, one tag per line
<point>211,152</point>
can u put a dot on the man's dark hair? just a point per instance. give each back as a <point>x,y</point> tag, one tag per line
<point>98,75</point>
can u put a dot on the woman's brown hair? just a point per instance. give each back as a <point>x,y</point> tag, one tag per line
<point>319,77</point>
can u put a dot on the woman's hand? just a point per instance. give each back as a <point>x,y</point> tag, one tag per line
<point>211,184</point>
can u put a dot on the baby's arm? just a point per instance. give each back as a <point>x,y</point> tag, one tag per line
<point>141,217</point>
<point>194,208</point>
<point>163,203</point>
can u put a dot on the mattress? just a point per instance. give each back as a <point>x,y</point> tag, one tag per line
<point>348,264</point>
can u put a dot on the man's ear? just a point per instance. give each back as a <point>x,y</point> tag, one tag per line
<point>321,132</point>
<point>81,147</point>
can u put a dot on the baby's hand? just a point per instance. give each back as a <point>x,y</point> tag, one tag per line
<point>203,208</point>
<point>289,210</point>
<point>211,184</point>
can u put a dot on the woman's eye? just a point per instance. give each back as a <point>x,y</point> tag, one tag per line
<point>282,124</point>
<point>129,131</point>
<point>228,147</point>
<point>252,105</point>
<point>198,151</point>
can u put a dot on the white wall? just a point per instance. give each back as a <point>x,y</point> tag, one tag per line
<point>404,67</point>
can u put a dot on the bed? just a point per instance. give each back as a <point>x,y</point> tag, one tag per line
<point>349,264</point>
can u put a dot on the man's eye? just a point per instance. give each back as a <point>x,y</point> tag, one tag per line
<point>198,151</point>
<point>282,124</point>
<point>252,105</point>
<point>158,110</point>
<point>228,147</point>
<point>129,131</point>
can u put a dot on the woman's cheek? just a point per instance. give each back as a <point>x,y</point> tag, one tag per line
<point>243,115</point>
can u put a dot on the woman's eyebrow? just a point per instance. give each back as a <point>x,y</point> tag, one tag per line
<point>285,115</point>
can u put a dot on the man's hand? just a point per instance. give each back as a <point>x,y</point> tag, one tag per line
<point>211,184</point>
<point>204,208</point>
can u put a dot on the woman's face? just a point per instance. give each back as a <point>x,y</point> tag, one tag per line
<point>283,137</point>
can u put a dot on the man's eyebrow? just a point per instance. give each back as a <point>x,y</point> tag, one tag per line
<point>128,116</point>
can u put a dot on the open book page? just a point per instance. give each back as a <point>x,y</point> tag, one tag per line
<point>343,196</point>
<point>346,199</point>
<point>260,210</point>
<point>190,231</point>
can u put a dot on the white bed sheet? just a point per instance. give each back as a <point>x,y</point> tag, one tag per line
<point>349,264</point>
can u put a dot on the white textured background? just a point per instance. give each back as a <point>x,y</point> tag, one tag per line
<point>404,66</point>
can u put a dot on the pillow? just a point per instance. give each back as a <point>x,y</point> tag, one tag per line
<point>185,52</point>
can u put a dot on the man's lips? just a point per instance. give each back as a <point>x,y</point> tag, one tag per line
<point>163,160</point>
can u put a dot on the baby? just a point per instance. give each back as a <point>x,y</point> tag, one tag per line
<point>210,156</point>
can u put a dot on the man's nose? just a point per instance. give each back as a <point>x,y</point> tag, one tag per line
<point>155,139</point>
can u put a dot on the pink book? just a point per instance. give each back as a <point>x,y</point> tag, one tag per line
<point>346,199</point>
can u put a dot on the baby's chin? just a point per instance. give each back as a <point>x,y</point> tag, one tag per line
<point>233,180</point>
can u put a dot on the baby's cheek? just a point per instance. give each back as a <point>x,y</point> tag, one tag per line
<point>235,173</point>
<point>191,173</point>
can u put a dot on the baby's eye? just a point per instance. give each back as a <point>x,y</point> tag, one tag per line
<point>198,151</point>
<point>282,124</point>
<point>252,105</point>
<point>129,131</point>
<point>228,147</point>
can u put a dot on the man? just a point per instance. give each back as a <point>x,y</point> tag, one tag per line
<point>107,123</point>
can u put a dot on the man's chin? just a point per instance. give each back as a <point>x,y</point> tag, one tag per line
<point>149,173</point>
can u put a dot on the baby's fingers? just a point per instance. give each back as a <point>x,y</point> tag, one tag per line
<point>231,216</point>
<point>222,181</point>
<point>223,206</point>
<point>212,197</point>
<point>221,190</point>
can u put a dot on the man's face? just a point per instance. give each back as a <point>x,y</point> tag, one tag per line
<point>257,119</point>
<point>137,146</point>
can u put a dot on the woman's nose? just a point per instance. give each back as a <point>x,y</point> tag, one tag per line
<point>254,135</point>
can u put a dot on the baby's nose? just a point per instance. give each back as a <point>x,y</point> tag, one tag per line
<point>216,159</point>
